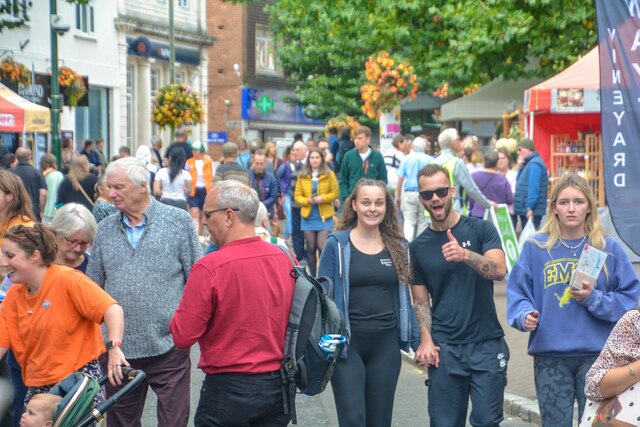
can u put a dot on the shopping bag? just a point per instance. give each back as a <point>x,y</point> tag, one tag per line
<point>621,410</point>
<point>527,231</point>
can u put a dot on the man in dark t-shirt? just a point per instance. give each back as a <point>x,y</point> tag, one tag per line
<point>32,179</point>
<point>455,262</point>
<point>181,144</point>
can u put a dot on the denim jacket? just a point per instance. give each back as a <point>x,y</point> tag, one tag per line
<point>334,264</point>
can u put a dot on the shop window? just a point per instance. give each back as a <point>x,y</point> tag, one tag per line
<point>183,4</point>
<point>91,122</point>
<point>266,62</point>
<point>154,85</point>
<point>178,78</point>
<point>129,97</point>
<point>84,18</point>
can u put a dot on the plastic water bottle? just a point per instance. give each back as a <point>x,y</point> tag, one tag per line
<point>329,344</point>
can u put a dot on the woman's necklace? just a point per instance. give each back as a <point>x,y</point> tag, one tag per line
<point>26,302</point>
<point>573,248</point>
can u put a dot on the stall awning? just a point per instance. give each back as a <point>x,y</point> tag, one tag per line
<point>17,115</point>
<point>489,102</point>
<point>574,90</point>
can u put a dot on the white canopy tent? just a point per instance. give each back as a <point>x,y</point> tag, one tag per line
<point>482,110</point>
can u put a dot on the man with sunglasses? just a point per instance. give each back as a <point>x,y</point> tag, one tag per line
<point>455,261</point>
<point>236,306</point>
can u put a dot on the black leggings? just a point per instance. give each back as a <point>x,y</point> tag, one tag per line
<point>364,384</point>
<point>314,240</point>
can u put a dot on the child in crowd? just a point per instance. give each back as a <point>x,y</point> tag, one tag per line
<point>40,410</point>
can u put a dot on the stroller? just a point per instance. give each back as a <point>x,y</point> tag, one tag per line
<point>78,391</point>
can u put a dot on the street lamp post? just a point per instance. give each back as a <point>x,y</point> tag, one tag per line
<point>55,89</point>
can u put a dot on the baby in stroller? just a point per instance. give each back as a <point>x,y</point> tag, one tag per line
<point>40,410</point>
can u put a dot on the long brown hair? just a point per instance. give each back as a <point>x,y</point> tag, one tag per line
<point>389,227</point>
<point>78,170</point>
<point>21,204</point>
<point>322,170</point>
<point>37,238</point>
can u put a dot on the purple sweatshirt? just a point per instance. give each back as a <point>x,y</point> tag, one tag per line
<point>494,186</point>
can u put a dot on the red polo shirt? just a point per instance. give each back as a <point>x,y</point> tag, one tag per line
<point>236,306</point>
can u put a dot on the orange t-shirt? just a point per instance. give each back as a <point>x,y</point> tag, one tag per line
<point>55,331</point>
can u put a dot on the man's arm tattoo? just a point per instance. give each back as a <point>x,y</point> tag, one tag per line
<point>423,314</point>
<point>485,266</point>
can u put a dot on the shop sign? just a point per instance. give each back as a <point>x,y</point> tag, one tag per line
<point>273,105</point>
<point>216,137</point>
<point>7,120</point>
<point>142,46</point>
<point>40,91</point>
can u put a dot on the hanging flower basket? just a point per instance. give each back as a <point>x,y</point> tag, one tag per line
<point>342,120</point>
<point>72,85</point>
<point>174,106</point>
<point>389,81</point>
<point>15,71</point>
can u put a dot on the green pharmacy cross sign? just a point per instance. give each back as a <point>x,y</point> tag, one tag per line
<point>265,104</point>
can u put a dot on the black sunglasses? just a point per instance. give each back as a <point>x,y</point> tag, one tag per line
<point>428,194</point>
<point>208,214</point>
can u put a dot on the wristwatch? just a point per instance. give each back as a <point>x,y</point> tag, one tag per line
<point>113,343</point>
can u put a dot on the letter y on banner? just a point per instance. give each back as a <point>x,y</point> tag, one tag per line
<point>619,45</point>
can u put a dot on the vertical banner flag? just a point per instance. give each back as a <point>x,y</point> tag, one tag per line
<point>619,45</point>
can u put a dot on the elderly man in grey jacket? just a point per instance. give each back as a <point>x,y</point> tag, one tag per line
<point>142,257</point>
<point>449,141</point>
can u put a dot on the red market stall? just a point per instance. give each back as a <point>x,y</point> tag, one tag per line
<point>17,115</point>
<point>562,116</point>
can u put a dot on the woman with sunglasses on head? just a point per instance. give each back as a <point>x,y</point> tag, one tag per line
<point>316,190</point>
<point>568,326</point>
<point>15,209</point>
<point>51,317</point>
<point>369,267</point>
<point>75,229</point>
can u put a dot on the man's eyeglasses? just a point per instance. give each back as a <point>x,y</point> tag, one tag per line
<point>428,194</point>
<point>74,243</point>
<point>207,214</point>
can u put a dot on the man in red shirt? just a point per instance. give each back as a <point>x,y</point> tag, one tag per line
<point>236,306</point>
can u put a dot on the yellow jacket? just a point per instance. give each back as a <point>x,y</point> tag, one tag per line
<point>327,188</point>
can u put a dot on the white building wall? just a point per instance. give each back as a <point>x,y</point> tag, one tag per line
<point>103,57</point>
<point>151,18</point>
<point>93,55</point>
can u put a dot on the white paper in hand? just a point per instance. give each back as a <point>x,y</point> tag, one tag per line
<point>588,268</point>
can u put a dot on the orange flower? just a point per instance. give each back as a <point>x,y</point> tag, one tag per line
<point>386,84</point>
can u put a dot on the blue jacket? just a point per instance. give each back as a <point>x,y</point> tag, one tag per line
<point>532,184</point>
<point>267,188</point>
<point>334,264</point>
<point>284,176</point>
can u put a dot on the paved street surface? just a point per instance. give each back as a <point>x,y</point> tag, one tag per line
<point>410,407</point>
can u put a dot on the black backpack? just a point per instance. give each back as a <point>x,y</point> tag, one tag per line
<point>313,314</point>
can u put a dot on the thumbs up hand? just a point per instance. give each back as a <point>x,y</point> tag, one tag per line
<point>451,250</point>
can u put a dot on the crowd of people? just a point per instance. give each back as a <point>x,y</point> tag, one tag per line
<point>403,236</point>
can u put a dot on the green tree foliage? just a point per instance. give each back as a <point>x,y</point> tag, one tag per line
<point>323,44</point>
<point>15,13</point>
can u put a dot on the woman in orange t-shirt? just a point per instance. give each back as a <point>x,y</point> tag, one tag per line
<point>46,302</point>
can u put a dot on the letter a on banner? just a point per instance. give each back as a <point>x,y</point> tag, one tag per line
<point>618,43</point>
